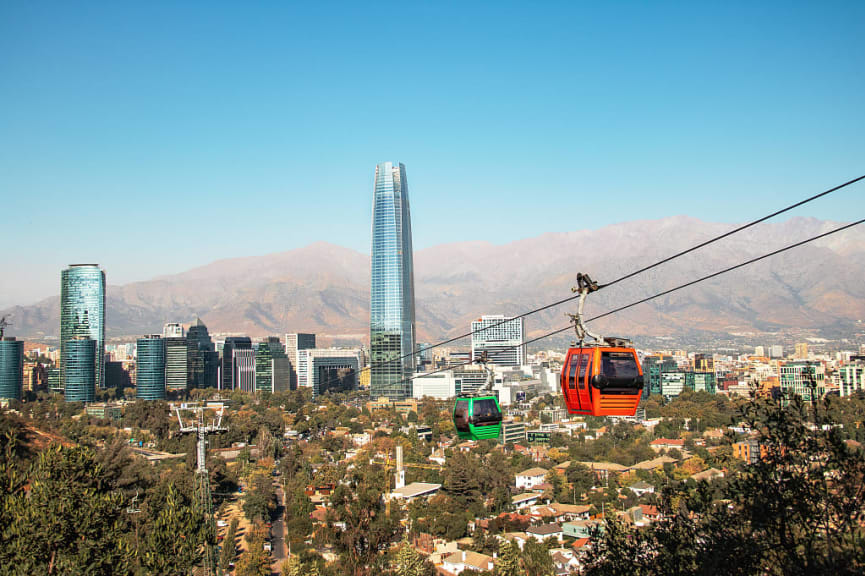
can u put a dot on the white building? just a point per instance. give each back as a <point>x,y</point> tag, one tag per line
<point>243,366</point>
<point>530,478</point>
<point>850,378</point>
<point>501,338</point>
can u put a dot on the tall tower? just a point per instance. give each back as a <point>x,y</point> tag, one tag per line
<point>150,368</point>
<point>11,367</point>
<point>391,326</point>
<point>82,313</point>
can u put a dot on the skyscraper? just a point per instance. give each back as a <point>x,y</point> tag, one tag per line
<point>392,328</point>
<point>11,368</point>
<point>202,358</point>
<point>229,369</point>
<point>271,366</point>
<point>82,312</point>
<point>501,338</point>
<point>293,343</point>
<point>150,368</point>
<point>79,369</point>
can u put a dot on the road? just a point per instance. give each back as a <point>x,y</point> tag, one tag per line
<point>278,531</point>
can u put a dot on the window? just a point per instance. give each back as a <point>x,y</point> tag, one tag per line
<point>461,416</point>
<point>485,412</point>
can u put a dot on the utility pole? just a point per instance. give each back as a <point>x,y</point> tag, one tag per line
<point>202,482</point>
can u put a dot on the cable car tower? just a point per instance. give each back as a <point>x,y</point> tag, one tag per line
<point>202,482</point>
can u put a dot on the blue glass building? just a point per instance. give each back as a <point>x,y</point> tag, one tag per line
<point>11,368</point>
<point>78,358</point>
<point>82,312</point>
<point>150,368</point>
<point>392,326</point>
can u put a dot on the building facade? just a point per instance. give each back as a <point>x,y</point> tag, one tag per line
<point>229,364</point>
<point>803,378</point>
<point>11,368</point>
<point>202,357</point>
<point>851,378</point>
<point>392,306</point>
<point>293,343</point>
<point>243,369</point>
<point>79,375</point>
<point>176,362</point>
<point>150,368</point>
<point>82,312</point>
<point>501,338</point>
<point>272,368</point>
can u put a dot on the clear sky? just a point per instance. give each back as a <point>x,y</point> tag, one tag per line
<point>152,137</point>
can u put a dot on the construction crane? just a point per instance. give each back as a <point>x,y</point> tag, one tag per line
<point>202,482</point>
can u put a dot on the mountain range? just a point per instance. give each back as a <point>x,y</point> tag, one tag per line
<point>324,288</point>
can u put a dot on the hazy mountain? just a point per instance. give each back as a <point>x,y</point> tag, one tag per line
<point>325,288</point>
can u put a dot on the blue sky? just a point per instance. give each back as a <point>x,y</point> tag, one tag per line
<point>153,137</point>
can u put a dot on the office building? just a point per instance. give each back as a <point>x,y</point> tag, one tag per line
<point>501,338</point>
<point>82,313</point>
<point>116,376</point>
<point>704,363</point>
<point>801,351</point>
<point>150,368</point>
<point>172,330</point>
<point>202,357</point>
<point>776,351</point>
<point>293,343</point>
<point>11,368</point>
<point>803,378</point>
<point>78,357</point>
<point>229,368</point>
<point>328,369</point>
<point>851,378</point>
<point>272,369</point>
<point>653,367</point>
<point>700,381</point>
<point>392,310</point>
<point>243,369</point>
<point>176,362</point>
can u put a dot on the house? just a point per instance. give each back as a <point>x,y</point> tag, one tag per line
<point>523,500</point>
<point>546,531</point>
<point>641,488</point>
<point>565,561</point>
<point>708,475</point>
<point>462,560</point>
<point>528,479</point>
<point>518,538</point>
<point>666,444</point>
<point>566,512</point>
<point>581,528</point>
<point>650,513</point>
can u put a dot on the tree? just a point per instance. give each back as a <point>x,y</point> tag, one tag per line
<point>509,560</point>
<point>256,560</point>
<point>536,559</point>
<point>174,534</point>
<point>797,510</point>
<point>60,516</point>
<point>410,563</point>
<point>226,557</point>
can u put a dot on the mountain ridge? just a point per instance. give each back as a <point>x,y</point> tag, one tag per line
<point>324,288</point>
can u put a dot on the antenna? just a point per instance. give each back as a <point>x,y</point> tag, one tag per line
<point>3,325</point>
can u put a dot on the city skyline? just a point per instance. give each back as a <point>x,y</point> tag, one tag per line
<point>558,110</point>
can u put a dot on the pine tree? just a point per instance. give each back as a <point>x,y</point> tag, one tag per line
<point>409,562</point>
<point>509,560</point>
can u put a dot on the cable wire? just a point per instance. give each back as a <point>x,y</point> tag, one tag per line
<point>665,292</point>
<point>625,277</point>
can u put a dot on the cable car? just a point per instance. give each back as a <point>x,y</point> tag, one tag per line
<point>603,378</point>
<point>477,417</point>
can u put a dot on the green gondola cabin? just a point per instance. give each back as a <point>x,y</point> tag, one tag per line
<point>477,417</point>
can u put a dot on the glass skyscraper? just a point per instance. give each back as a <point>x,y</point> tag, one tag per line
<point>150,368</point>
<point>82,313</point>
<point>202,357</point>
<point>11,368</point>
<point>78,359</point>
<point>392,329</point>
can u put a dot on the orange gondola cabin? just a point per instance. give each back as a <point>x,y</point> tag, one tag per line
<point>604,380</point>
